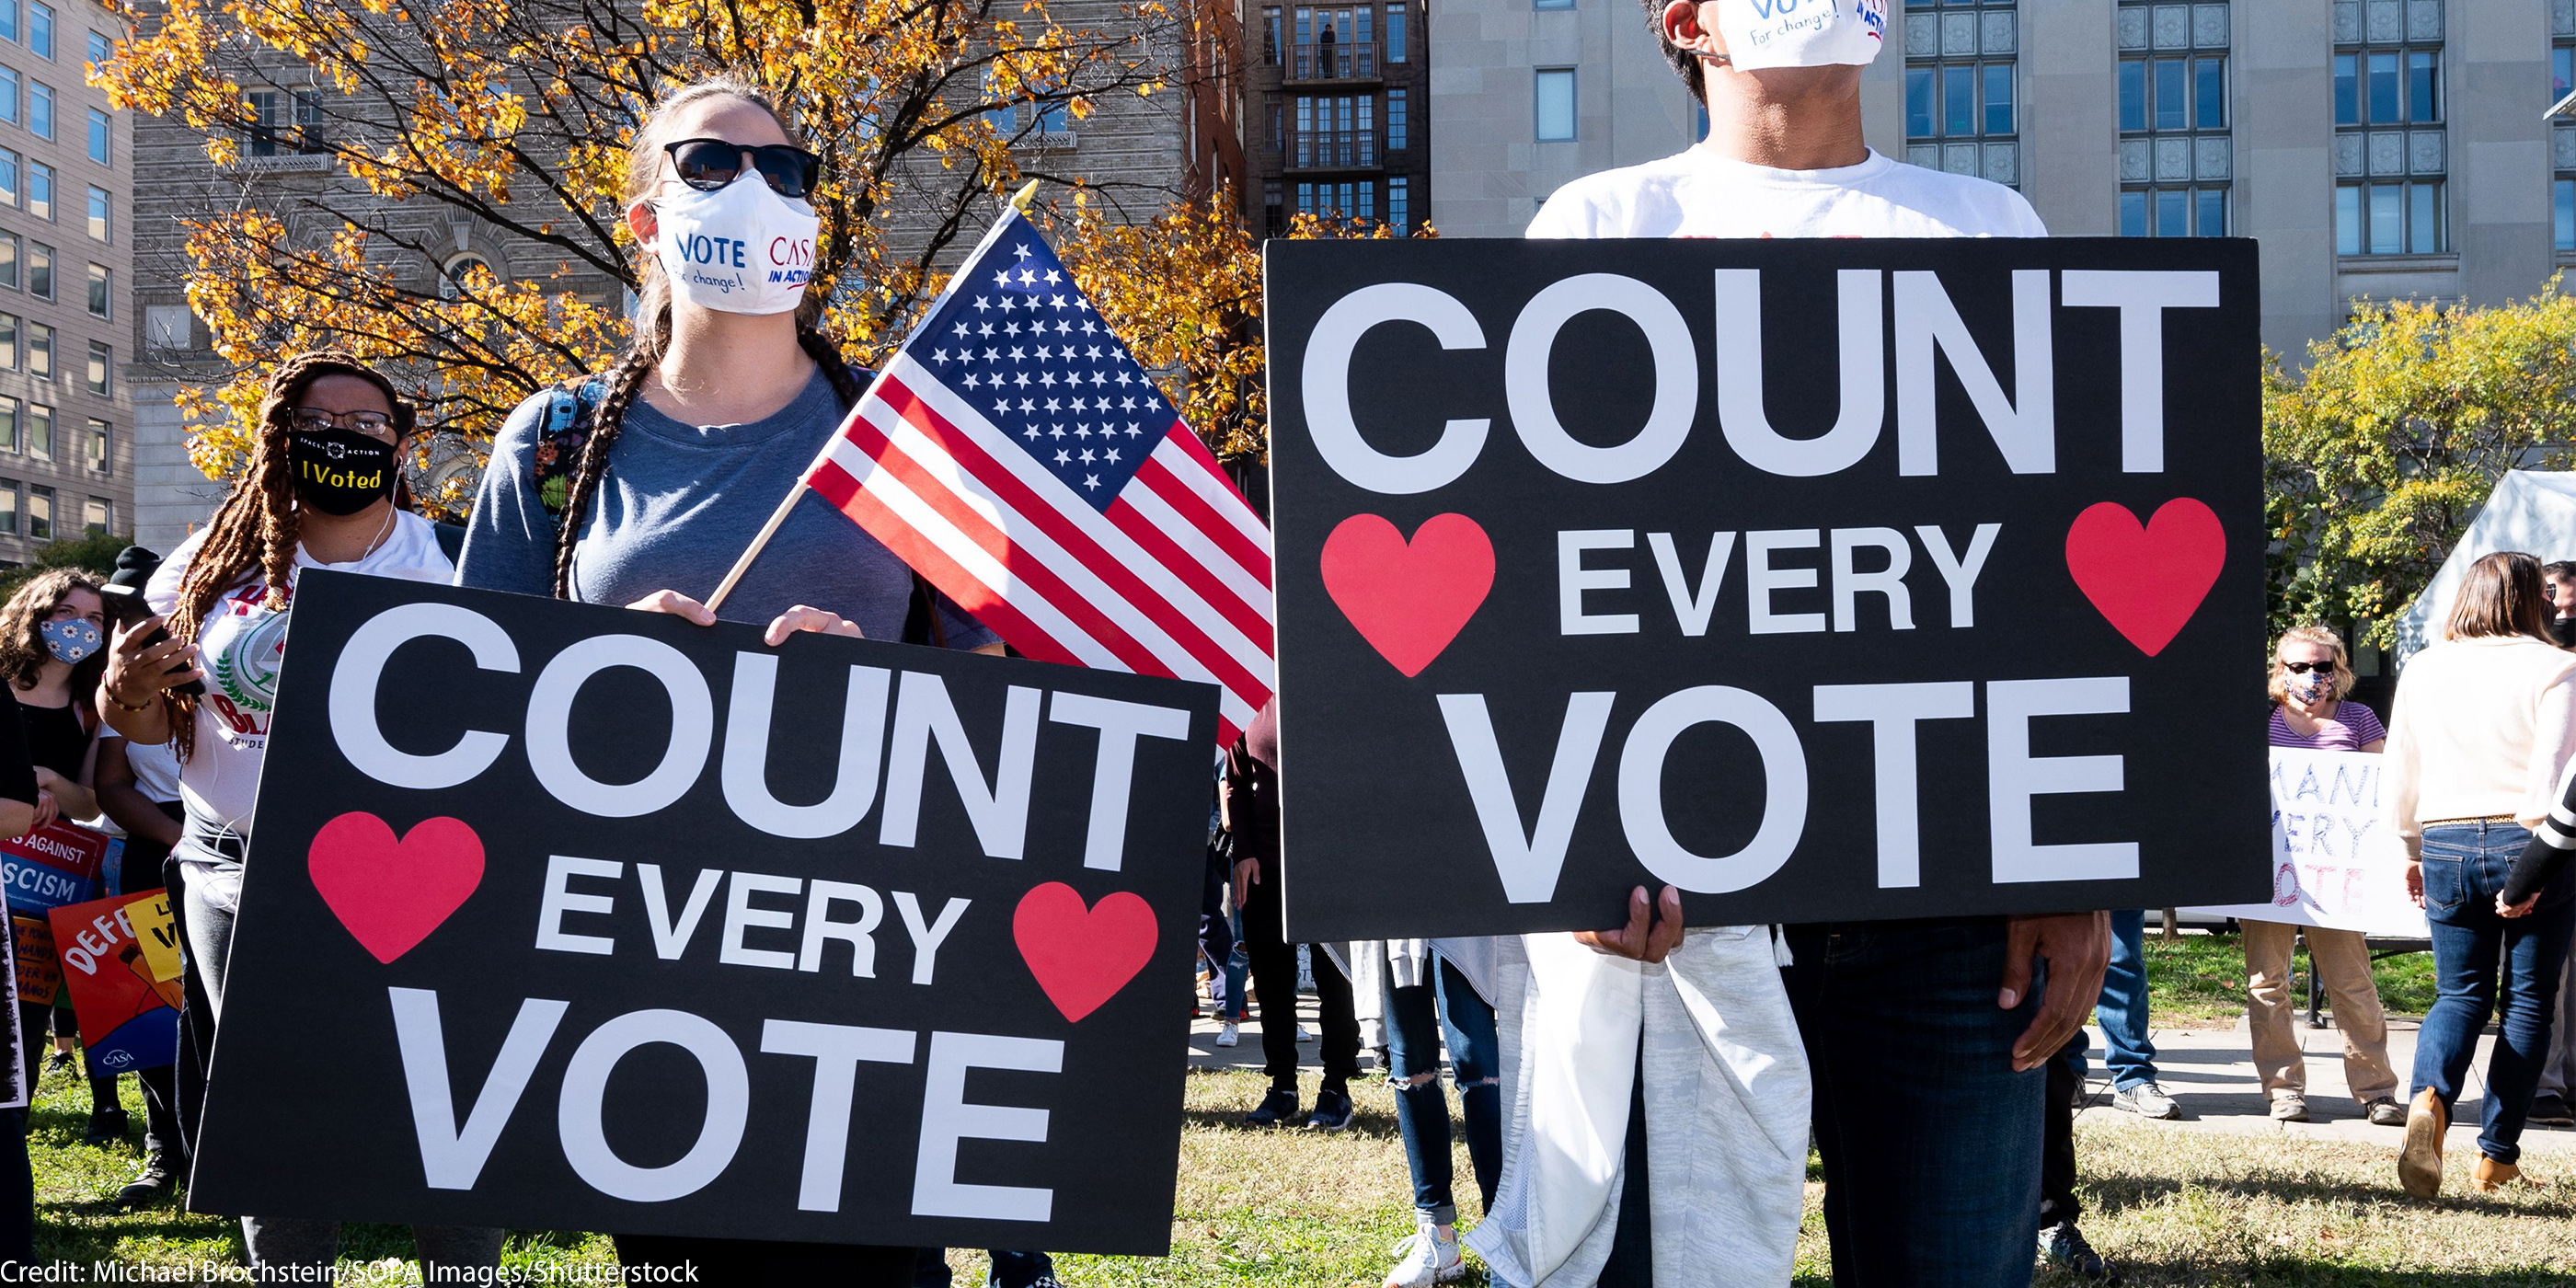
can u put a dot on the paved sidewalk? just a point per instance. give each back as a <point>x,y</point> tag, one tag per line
<point>2209,1072</point>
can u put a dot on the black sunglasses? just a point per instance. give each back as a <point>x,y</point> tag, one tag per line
<point>2302,668</point>
<point>709,164</point>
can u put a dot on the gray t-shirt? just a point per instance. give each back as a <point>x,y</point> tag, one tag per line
<point>676,507</point>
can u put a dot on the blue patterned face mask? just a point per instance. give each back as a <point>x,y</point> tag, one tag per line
<point>70,639</point>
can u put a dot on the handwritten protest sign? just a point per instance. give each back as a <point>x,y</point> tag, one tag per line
<point>128,1020</point>
<point>1822,579</point>
<point>2335,860</point>
<point>612,922</point>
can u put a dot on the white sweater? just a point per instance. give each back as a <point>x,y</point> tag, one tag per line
<point>2480,727</point>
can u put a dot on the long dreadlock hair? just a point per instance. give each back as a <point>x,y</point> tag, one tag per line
<point>256,526</point>
<point>623,381</point>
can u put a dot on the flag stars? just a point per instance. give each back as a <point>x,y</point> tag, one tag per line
<point>992,355</point>
<point>940,357</point>
<point>1064,328</point>
<point>1003,407</point>
<point>1002,279</point>
<point>1153,403</point>
<point>1112,456</point>
<point>1055,431</point>
<point>983,305</point>
<point>1091,481</point>
<point>961,328</point>
<point>971,382</point>
<point>1064,458</point>
<point>1018,354</point>
<point>1093,352</point>
<point>1053,277</point>
<point>1021,250</point>
<point>1132,430</point>
<point>984,328</point>
<point>1055,301</point>
<point>1011,328</point>
<point>1052,406</point>
<point>1032,434</point>
<point>1088,457</point>
<point>1047,378</point>
<point>1028,277</point>
<point>1125,404</point>
<point>1028,405</point>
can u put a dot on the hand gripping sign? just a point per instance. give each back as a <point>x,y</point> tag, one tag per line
<point>1822,579</point>
<point>605,921</point>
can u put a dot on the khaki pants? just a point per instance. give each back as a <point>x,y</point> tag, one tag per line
<point>2343,961</point>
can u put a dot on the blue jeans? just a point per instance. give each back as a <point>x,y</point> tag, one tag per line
<point>1931,1142</point>
<point>1416,1020</point>
<point>2127,1052</point>
<point>2464,867</point>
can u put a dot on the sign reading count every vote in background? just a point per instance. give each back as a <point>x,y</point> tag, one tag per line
<point>597,920</point>
<point>1821,579</point>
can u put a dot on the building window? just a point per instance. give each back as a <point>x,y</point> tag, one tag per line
<point>2176,156</point>
<point>292,122</point>
<point>1339,130</point>
<point>40,109</point>
<point>100,136</point>
<point>100,283</point>
<point>40,351</point>
<point>40,190</point>
<point>1274,210</point>
<point>1399,203</point>
<point>2562,139</point>
<point>101,438</point>
<point>1555,104</point>
<point>1274,116</point>
<point>40,29</point>
<point>2173,212</point>
<point>2389,218</point>
<point>9,440</point>
<point>40,513</point>
<point>1270,36</point>
<point>98,215</point>
<point>1395,120</point>
<point>1347,199</point>
<point>40,431</point>
<point>40,270</point>
<point>1395,33</point>
<point>9,260</point>
<point>8,342</point>
<point>8,177</point>
<point>2391,152</point>
<point>95,515</point>
<point>102,368</point>
<point>8,19</point>
<point>169,326</point>
<point>1336,44</point>
<point>1551,4</point>
<point>1962,95</point>
<point>101,49</point>
<point>8,508</point>
<point>9,95</point>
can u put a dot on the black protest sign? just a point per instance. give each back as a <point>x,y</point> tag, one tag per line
<point>1821,579</point>
<point>570,917</point>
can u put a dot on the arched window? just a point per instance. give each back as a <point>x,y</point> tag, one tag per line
<point>452,274</point>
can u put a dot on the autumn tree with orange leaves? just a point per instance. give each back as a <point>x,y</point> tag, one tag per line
<point>515,113</point>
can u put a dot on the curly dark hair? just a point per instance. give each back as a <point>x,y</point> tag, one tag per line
<point>22,648</point>
<point>1683,60</point>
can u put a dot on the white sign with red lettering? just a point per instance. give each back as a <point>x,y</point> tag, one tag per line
<point>2336,860</point>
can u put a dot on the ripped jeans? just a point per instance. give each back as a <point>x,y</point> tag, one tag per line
<point>1416,1020</point>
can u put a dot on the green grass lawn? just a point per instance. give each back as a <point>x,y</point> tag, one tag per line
<point>1294,1209</point>
<point>2199,979</point>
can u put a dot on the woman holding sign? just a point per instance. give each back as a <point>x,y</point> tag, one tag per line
<point>654,476</point>
<point>2311,674</point>
<point>2485,722</point>
<point>319,491</point>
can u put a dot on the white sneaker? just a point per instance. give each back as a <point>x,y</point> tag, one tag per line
<point>1425,1259</point>
<point>1228,1033</point>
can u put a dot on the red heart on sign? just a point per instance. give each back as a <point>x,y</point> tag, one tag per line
<point>391,893</point>
<point>1408,599</point>
<point>2146,581</point>
<point>1082,956</point>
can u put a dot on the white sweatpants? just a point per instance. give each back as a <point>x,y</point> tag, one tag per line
<point>1726,1103</point>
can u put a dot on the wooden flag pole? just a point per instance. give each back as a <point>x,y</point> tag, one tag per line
<point>1019,201</point>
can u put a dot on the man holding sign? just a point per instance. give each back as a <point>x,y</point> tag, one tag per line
<point>1877,1004</point>
<point>1564,650</point>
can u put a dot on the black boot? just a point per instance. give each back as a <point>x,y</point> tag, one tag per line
<point>106,1127</point>
<point>156,1184</point>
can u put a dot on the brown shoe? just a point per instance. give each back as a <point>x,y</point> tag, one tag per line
<point>2492,1175</point>
<point>2419,1161</point>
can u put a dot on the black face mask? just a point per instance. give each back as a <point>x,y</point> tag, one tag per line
<point>2565,629</point>
<point>340,471</point>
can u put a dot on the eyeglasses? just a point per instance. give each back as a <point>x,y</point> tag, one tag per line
<point>2302,668</point>
<point>709,164</point>
<point>375,424</point>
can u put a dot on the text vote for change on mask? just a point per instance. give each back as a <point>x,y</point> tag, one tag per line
<point>1819,578</point>
<point>843,940</point>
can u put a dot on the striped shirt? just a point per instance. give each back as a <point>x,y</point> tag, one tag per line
<point>2351,728</point>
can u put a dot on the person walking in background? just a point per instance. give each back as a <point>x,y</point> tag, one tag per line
<point>1420,992</point>
<point>1251,808</point>
<point>2485,722</point>
<point>2311,674</point>
<point>2549,1106</point>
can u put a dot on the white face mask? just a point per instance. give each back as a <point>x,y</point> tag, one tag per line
<point>740,249</point>
<point>1801,33</point>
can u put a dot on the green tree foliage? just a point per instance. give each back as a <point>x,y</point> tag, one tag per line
<point>2378,455</point>
<point>91,552</point>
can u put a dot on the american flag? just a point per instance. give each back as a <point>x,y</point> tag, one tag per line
<point>1020,460</point>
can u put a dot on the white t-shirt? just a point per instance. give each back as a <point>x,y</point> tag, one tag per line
<point>239,645</point>
<point>155,766</point>
<point>1696,193</point>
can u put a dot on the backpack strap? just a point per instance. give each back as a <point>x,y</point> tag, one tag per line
<point>568,420</point>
